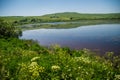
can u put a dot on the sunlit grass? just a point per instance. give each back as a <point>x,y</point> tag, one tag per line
<point>25,59</point>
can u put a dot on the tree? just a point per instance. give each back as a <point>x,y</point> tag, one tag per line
<point>7,30</point>
<point>33,20</point>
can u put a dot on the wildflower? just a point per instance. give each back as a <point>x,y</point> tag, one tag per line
<point>33,64</point>
<point>86,60</point>
<point>35,67</point>
<point>79,67</point>
<point>117,77</point>
<point>41,69</point>
<point>35,74</point>
<point>55,68</point>
<point>34,58</point>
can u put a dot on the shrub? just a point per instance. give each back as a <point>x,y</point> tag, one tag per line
<point>7,30</point>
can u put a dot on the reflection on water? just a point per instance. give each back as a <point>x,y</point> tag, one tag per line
<point>101,38</point>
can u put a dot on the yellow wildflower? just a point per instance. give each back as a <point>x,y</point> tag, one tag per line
<point>55,68</point>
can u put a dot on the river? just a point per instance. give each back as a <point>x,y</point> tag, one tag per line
<point>99,38</point>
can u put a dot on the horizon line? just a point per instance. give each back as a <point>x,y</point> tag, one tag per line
<point>60,12</point>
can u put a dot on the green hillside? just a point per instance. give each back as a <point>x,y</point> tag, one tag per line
<point>60,17</point>
<point>80,16</point>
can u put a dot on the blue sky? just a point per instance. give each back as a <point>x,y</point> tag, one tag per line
<point>41,7</point>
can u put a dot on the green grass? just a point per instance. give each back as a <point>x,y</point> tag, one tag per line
<point>79,16</point>
<point>26,60</point>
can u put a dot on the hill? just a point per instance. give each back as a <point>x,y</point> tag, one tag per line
<point>79,16</point>
<point>60,17</point>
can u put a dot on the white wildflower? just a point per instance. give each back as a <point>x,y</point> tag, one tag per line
<point>33,64</point>
<point>41,69</point>
<point>55,68</point>
<point>35,74</point>
<point>86,60</point>
<point>117,77</point>
<point>34,58</point>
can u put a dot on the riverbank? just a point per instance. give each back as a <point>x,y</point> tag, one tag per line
<point>25,59</point>
<point>66,25</point>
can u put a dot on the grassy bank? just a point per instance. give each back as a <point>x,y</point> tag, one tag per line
<point>25,59</point>
<point>72,20</point>
<point>66,25</point>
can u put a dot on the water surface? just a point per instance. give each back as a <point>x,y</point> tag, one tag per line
<point>99,38</point>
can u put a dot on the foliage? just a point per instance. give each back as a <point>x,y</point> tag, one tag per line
<point>26,60</point>
<point>8,30</point>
